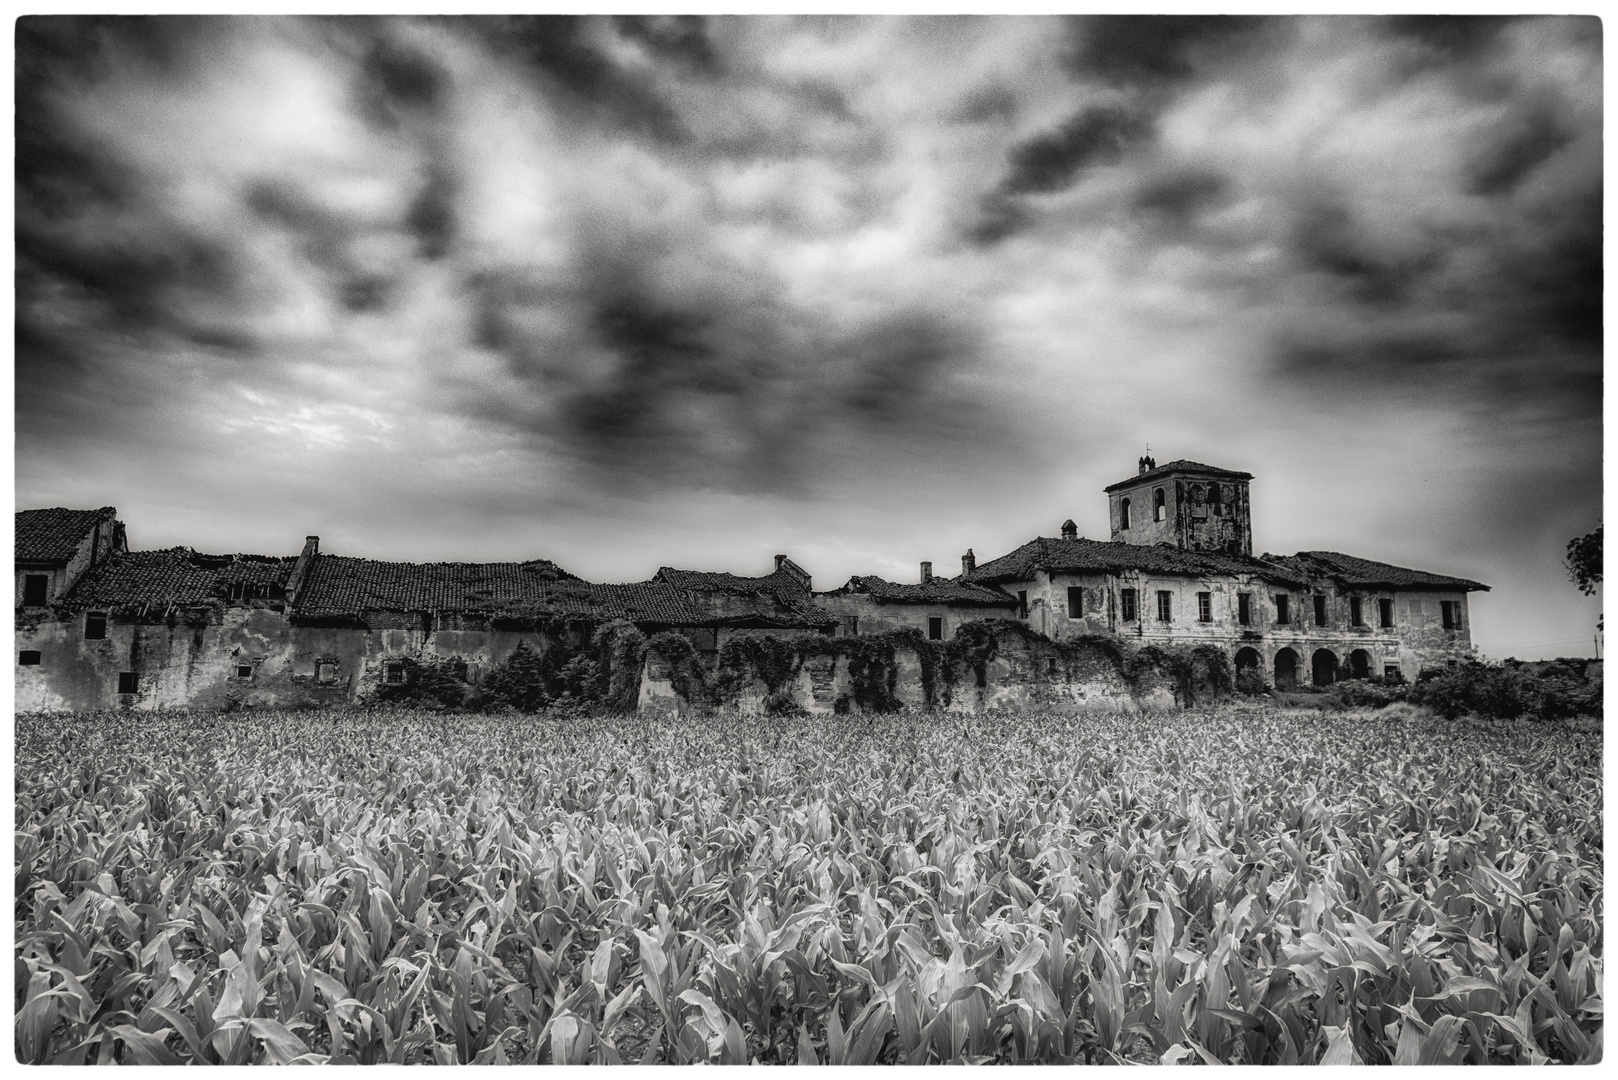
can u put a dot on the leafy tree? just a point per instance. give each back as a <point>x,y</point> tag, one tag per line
<point>1584,561</point>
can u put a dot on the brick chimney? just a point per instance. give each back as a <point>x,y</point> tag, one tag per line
<point>926,572</point>
<point>969,563</point>
<point>1070,531</point>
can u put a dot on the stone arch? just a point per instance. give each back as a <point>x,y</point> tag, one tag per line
<point>1359,664</point>
<point>1286,669</point>
<point>1159,506</point>
<point>1323,667</point>
<point>1246,658</point>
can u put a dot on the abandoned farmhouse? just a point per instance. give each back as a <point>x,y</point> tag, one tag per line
<point>101,626</point>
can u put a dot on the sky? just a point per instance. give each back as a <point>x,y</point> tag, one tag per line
<point>645,291</point>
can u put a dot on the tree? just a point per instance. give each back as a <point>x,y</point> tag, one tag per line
<point>1584,561</point>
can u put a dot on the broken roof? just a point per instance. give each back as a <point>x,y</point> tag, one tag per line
<point>53,535</point>
<point>1106,556</point>
<point>173,576</point>
<point>936,591</point>
<point>1180,466</point>
<point>778,582</point>
<point>1353,572</point>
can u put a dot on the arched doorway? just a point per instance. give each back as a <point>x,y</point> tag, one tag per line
<point>1359,664</point>
<point>1286,669</point>
<point>1246,659</point>
<point>1324,667</point>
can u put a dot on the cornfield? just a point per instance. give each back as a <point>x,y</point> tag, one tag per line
<point>1232,884</point>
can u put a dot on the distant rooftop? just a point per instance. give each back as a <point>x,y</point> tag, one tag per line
<point>1180,466</point>
<point>53,535</point>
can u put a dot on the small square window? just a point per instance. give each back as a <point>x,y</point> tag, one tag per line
<point>1204,607</point>
<point>1244,608</point>
<point>935,628</point>
<point>1165,606</point>
<point>95,625</point>
<point>128,682</point>
<point>1391,671</point>
<point>244,671</point>
<point>395,672</point>
<point>851,625</point>
<point>1075,602</point>
<point>28,658</point>
<point>1127,600</point>
<point>326,671</point>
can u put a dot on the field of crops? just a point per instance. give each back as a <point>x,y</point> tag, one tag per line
<point>1222,885</point>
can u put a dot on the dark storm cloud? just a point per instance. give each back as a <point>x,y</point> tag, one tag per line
<point>1177,199</point>
<point>567,52</point>
<point>1156,51</point>
<point>396,81</point>
<point>1050,161</point>
<point>1521,145</point>
<point>680,39</point>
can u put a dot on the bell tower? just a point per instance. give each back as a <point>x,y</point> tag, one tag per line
<point>1185,504</point>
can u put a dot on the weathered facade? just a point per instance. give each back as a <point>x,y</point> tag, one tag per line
<point>99,626</point>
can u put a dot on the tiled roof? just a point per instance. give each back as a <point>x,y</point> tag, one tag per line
<point>1180,466</point>
<point>936,591</point>
<point>1352,571</point>
<point>176,575</point>
<point>1103,556</point>
<point>710,581</point>
<point>53,535</point>
<point>338,586</point>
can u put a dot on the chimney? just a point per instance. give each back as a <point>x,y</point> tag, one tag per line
<point>969,563</point>
<point>926,572</point>
<point>300,569</point>
<point>1070,531</point>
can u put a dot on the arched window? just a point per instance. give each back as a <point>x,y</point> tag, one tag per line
<point>1159,506</point>
<point>1123,515</point>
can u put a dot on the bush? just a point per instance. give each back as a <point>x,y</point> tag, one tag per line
<point>1472,686</point>
<point>1251,681</point>
<point>431,683</point>
<point>519,682</point>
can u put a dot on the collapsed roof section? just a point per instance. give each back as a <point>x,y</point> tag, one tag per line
<point>1352,572</point>
<point>946,591</point>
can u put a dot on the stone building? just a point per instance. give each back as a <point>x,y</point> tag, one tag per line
<point>101,626</point>
<point>936,607</point>
<point>1180,569</point>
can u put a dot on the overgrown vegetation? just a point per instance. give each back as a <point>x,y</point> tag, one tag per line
<point>1243,885</point>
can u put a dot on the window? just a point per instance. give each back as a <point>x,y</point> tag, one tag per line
<point>1320,609</point>
<point>1123,514</point>
<point>1244,608</point>
<point>245,590</point>
<point>34,589</point>
<point>1385,608</point>
<point>1075,601</point>
<point>935,628</point>
<point>1391,672</point>
<point>95,625</point>
<point>244,671</point>
<point>394,672</point>
<point>1127,597</point>
<point>1214,498</point>
<point>1355,617</point>
<point>1281,614</point>
<point>1452,614</point>
<point>1165,606</point>
<point>1160,509</point>
<point>1204,607</point>
<point>28,658</point>
<point>326,671</point>
<point>851,625</point>
<point>1022,603</point>
<point>128,682</point>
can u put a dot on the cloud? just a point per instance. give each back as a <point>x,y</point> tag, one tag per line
<point>815,274</point>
